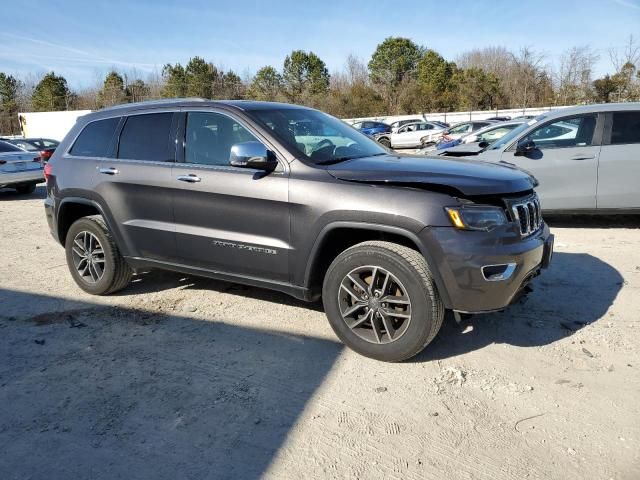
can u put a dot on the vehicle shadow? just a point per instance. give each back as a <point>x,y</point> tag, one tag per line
<point>111,392</point>
<point>9,194</point>
<point>593,221</point>
<point>576,291</point>
<point>158,280</point>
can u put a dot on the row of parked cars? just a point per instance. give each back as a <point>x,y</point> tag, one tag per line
<point>22,162</point>
<point>586,159</point>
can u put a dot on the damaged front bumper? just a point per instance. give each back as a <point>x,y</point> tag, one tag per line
<point>485,271</point>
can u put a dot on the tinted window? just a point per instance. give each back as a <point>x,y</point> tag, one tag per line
<point>626,128</point>
<point>566,132</point>
<point>95,138</point>
<point>210,136</point>
<point>7,147</point>
<point>147,137</point>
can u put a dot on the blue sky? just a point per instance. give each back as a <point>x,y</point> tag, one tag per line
<point>83,39</point>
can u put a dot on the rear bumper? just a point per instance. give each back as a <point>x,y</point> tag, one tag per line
<point>49,212</point>
<point>460,257</point>
<point>25,176</point>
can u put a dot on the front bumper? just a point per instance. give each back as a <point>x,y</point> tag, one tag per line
<point>459,257</point>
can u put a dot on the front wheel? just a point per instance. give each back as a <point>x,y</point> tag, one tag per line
<point>381,301</point>
<point>385,141</point>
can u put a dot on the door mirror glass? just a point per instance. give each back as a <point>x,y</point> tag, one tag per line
<point>252,155</point>
<point>525,146</point>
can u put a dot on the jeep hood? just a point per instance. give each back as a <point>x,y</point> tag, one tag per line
<point>469,177</point>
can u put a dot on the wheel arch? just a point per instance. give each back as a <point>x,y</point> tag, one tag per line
<point>336,237</point>
<point>74,208</point>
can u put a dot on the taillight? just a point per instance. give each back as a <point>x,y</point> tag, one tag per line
<point>48,171</point>
<point>46,154</point>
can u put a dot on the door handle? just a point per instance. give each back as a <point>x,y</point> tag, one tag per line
<point>583,157</point>
<point>109,171</point>
<point>189,178</point>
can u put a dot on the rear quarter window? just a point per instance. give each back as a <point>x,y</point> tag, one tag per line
<point>95,138</point>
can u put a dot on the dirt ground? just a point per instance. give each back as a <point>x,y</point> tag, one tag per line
<point>180,377</point>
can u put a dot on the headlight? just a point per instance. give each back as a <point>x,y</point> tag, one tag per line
<point>476,217</point>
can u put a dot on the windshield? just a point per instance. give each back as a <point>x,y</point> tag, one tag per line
<point>316,136</point>
<point>515,133</point>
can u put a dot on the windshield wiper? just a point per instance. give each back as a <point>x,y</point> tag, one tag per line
<point>332,161</point>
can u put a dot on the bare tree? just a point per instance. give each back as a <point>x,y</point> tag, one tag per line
<point>574,75</point>
<point>630,53</point>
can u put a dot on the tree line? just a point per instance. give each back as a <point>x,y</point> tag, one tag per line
<point>401,77</point>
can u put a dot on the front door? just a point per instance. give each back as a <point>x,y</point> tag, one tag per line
<point>228,219</point>
<point>565,162</point>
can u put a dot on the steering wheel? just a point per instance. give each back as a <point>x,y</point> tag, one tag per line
<point>324,143</point>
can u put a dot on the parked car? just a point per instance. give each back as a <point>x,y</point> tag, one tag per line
<point>19,169</point>
<point>477,140</point>
<point>585,158</point>
<point>499,119</point>
<point>399,123</point>
<point>228,190</point>
<point>457,131</point>
<point>372,128</point>
<point>409,135</point>
<point>45,146</point>
<point>524,117</point>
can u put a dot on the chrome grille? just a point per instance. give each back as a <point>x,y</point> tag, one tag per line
<point>528,215</point>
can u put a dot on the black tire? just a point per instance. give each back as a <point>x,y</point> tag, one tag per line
<point>411,270</point>
<point>385,141</point>
<point>116,273</point>
<point>26,189</point>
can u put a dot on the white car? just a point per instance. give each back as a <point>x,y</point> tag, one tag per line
<point>457,131</point>
<point>411,134</point>
<point>19,169</point>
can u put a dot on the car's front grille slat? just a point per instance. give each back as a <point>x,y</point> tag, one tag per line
<point>528,215</point>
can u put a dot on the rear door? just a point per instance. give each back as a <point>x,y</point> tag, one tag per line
<point>228,219</point>
<point>135,184</point>
<point>565,161</point>
<point>619,165</point>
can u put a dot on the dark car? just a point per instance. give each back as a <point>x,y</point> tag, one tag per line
<point>45,146</point>
<point>235,190</point>
<point>372,128</point>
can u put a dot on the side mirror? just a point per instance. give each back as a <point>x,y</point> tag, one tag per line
<point>252,155</point>
<point>524,147</point>
<point>483,144</point>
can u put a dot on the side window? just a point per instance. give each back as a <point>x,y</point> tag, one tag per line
<point>95,139</point>
<point>625,128</point>
<point>209,137</point>
<point>146,137</point>
<point>566,132</point>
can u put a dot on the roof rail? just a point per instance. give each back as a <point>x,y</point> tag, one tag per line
<point>163,101</point>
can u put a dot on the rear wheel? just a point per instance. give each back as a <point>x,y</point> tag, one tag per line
<point>93,257</point>
<point>26,189</point>
<point>381,301</point>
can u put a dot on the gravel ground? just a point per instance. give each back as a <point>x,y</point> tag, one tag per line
<point>180,377</point>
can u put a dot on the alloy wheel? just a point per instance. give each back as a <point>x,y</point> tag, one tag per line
<point>374,304</point>
<point>88,257</point>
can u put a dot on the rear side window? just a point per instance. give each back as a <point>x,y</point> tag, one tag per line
<point>95,139</point>
<point>147,137</point>
<point>625,128</point>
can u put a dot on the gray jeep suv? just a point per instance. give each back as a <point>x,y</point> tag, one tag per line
<point>289,198</point>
